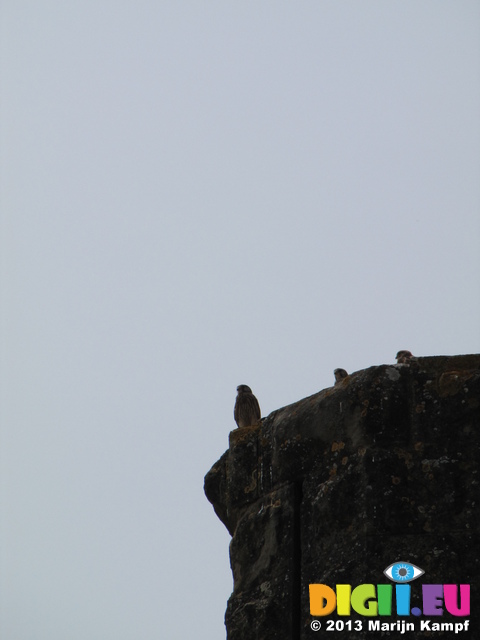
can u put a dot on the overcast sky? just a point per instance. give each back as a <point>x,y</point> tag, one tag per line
<point>196,195</point>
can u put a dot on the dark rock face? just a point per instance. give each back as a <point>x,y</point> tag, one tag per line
<point>333,489</point>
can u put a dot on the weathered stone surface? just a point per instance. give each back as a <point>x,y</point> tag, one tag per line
<point>336,487</point>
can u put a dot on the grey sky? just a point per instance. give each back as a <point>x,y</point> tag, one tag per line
<point>194,196</point>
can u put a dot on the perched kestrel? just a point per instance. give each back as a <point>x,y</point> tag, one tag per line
<point>247,410</point>
<point>404,357</point>
<point>340,374</point>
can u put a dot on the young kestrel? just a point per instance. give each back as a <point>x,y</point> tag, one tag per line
<point>247,410</point>
<point>340,374</point>
<point>404,357</point>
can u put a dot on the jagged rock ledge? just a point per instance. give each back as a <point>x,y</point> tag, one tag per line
<point>334,488</point>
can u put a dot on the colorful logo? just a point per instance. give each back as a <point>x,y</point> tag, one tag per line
<point>378,600</point>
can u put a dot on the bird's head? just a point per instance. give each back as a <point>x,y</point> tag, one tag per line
<point>243,388</point>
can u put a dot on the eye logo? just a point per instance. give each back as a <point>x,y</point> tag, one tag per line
<point>403,572</point>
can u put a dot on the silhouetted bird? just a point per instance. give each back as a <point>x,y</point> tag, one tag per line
<point>404,357</point>
<point>340,374</point>
<point>247,410</point>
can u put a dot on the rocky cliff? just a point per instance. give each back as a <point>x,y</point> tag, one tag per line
<point>336,487</point>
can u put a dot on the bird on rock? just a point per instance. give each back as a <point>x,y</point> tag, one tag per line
<point>340,374</point>
<point>247,410</point>
<point>405,357</point>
